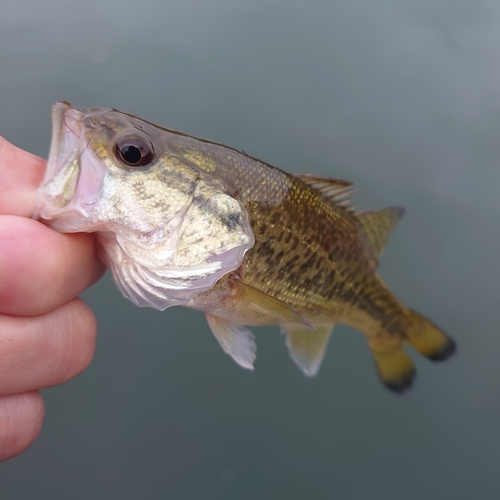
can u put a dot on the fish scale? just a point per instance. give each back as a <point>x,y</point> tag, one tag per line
<point>323,249</point>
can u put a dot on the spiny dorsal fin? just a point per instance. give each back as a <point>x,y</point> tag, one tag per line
<point>378,226</point>
<point>339,191</point>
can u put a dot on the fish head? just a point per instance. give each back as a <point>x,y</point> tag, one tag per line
<point>167,228</point>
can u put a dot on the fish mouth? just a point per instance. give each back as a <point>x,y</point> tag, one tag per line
<point>74,176</point>
<point>63,167</point>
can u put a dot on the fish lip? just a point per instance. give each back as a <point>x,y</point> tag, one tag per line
<point>58,111</point>
<point>66,195</point>
<point>65,118</point>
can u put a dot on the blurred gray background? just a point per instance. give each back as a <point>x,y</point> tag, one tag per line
<point>400,97</point>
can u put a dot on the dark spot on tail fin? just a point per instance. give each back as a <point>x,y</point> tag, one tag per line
<point>428,339</point>
<point>394,367</point>
<point>402,384</point>
<point>445,352</point>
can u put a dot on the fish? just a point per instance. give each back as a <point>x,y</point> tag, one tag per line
<point>185,221</point>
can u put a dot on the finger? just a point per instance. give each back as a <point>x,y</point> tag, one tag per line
<point>41,269</point>
<point>45,350</point>
<point>21,419</point>
<point>20,175</point>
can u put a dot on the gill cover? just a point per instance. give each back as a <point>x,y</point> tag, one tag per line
<point>167,230</point>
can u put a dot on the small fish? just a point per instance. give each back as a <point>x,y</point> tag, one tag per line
<point>185,221</point>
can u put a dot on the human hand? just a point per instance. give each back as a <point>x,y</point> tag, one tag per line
<point>47,334</point>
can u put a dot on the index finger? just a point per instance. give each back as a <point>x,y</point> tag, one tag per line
<point>20,175</point>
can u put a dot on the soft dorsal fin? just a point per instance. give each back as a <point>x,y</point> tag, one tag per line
<point>378,225</point>
<point>337,190</point>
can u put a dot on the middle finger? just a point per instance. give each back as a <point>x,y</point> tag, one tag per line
<point>41,269</point>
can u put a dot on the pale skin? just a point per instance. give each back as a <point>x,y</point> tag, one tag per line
<point>47,334</point>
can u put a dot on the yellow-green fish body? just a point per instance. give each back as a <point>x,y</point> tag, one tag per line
<point>190,222</point>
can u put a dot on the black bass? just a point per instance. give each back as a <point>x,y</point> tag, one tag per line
<point>185,221</point>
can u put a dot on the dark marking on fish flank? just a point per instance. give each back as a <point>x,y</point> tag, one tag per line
<point>310,240</point>
<point>304,267</point>
<point>279,256</point>
<point>262,230</point>
<point>282,271</point>
<point>279,237</point>
<point>275,218</point>
<point>291,262</point>
<point>311,261</point>
<point>266,249</point>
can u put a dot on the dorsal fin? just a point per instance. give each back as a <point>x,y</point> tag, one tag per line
<point>378,225</point>
<point>337,190</point>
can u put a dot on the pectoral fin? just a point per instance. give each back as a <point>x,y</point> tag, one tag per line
<point>235,340</point>
<point>306,347</point>
<point>265,304</point>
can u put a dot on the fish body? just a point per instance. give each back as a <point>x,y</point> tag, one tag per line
<point>185,221</point>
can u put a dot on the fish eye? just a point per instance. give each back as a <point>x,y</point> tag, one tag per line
<point>134,151</point>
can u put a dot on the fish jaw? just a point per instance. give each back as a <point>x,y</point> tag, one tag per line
<point>69,192</point>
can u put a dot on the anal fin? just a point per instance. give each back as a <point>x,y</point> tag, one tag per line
<point>235,340</point>
<point>307,348</point>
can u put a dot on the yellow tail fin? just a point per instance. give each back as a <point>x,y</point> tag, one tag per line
<point>428,339</point>
<point>394,367</point>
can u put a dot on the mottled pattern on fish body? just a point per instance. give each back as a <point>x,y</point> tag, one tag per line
<point>308,252</point>
<point>185,221</point>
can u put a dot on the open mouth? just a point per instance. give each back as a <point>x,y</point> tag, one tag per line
<point>74,176</point>
<point>63,167</point>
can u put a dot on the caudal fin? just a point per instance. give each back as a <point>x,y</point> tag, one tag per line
<point>428,339</point>
<point>394,367</point>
